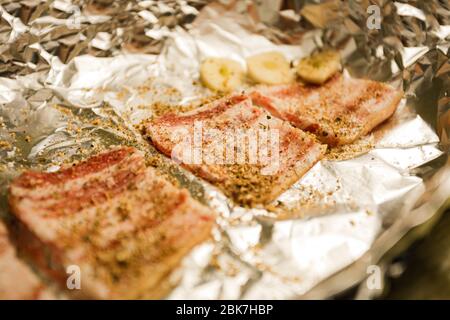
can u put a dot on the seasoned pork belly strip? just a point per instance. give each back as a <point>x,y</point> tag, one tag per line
<point>252,156</point>
<point>17,281</point>
<point>338,112</point>
<point>121,223</point>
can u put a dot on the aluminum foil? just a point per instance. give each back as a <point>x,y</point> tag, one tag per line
<point>77,76</point>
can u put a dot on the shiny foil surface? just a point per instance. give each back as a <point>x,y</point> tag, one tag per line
<point>78,76</point>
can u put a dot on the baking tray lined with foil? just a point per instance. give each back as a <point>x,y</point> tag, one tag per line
<point>93,91</point>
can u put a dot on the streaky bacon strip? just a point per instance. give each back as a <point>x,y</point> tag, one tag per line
<point>32,179</point>
<point>338,112</point>
<point>244,181</point>
<point>124,225</point>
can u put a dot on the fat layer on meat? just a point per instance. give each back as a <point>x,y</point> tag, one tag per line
<point>337,112</point>
<point>252,156</point>
<point>112,221</point>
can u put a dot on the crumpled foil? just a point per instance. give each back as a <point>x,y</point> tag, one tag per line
<point>76,76</point>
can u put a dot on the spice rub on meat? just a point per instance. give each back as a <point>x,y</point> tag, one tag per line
<point>337,112</point>
<point>252,156</point>
<point>125,226</point>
